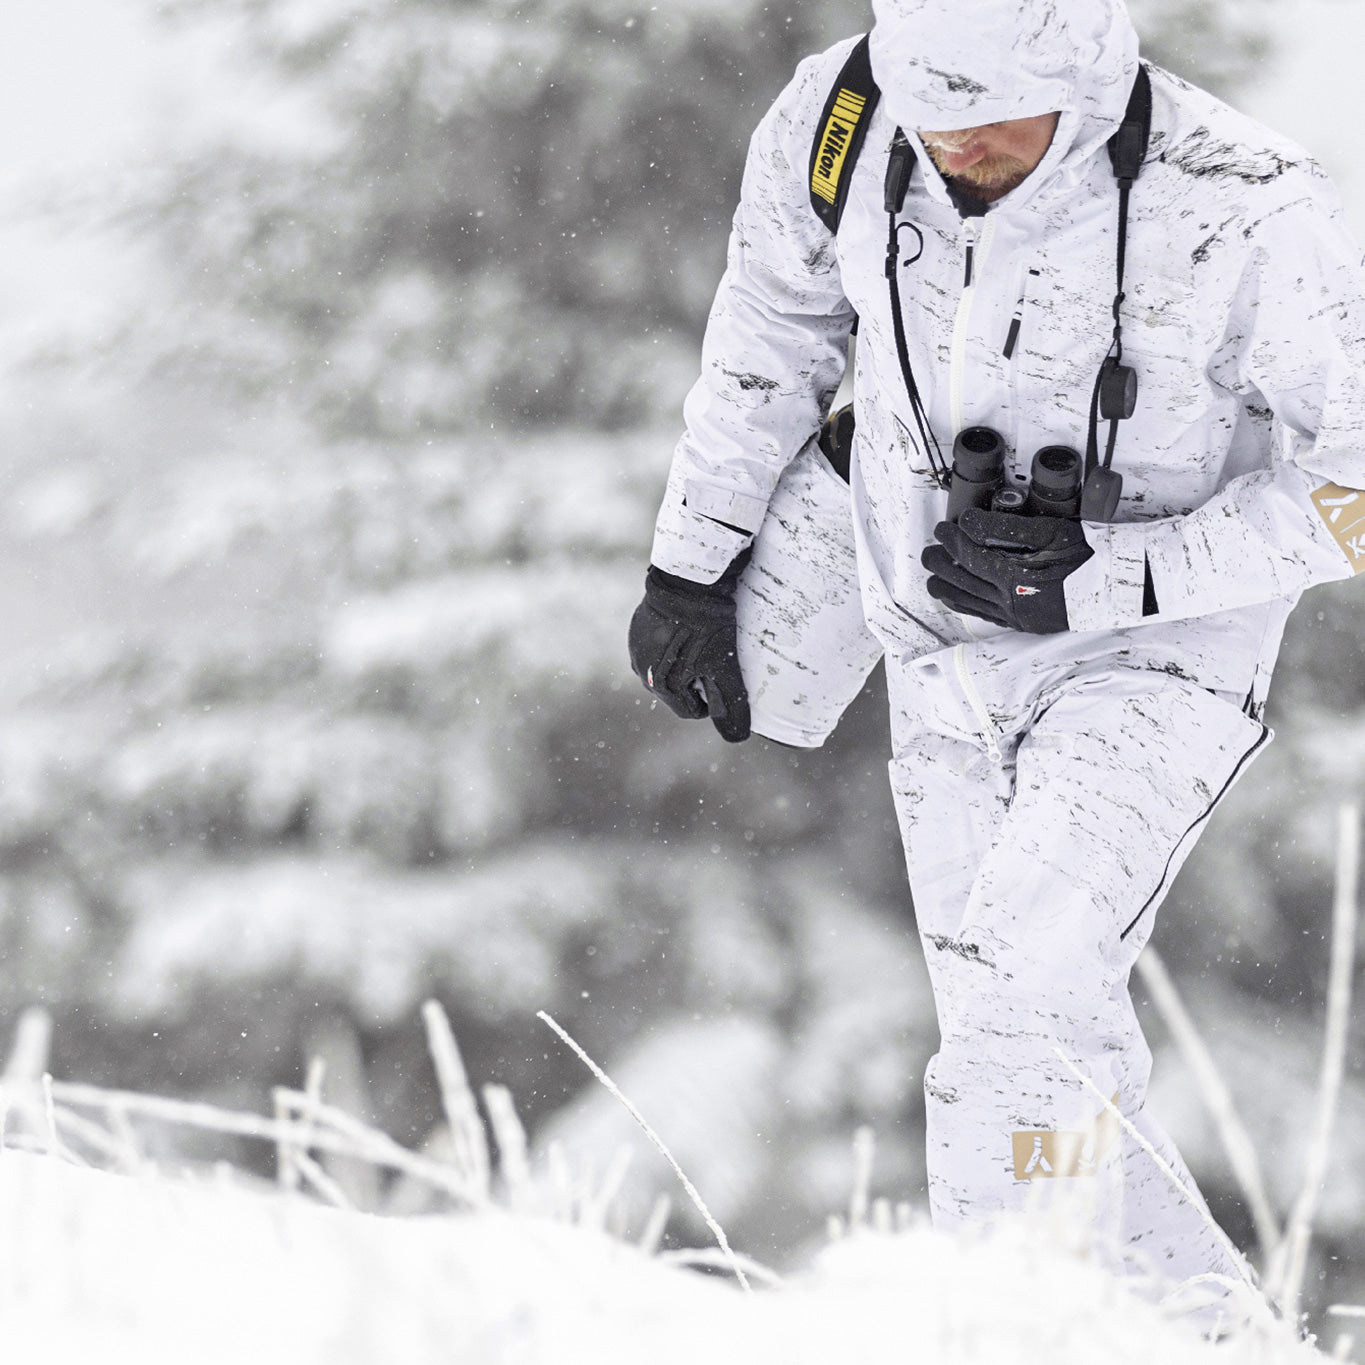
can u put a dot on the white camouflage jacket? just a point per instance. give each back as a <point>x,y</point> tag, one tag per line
<point>1244,316</point>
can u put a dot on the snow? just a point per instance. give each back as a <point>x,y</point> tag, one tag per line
<point>145,1269</point>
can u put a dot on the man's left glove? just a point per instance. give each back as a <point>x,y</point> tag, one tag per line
<point>1006,568</point>
<point>683,648</point>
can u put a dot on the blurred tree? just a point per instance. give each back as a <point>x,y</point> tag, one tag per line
<point>1218,45</point>
<point>511,211</point>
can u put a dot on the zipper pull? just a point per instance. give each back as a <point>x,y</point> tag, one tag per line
<point>969,231</point>
<point>990,731</point>
<point>1016,322</point>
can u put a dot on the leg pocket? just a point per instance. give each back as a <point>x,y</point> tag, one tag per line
<point>950,802</point>
<point>804,648</point>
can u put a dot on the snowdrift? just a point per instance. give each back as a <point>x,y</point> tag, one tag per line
<point>150,1268</point>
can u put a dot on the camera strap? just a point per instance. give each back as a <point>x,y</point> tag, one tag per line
<point>899,169</point>
<point>1114,398</point>
<point>840,134</point>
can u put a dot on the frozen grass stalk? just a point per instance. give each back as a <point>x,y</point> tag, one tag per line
<point>560,1181</point>
<point>1186,1193</point>
<point>716,1230</point>
<point>90,1135</point>
<point>709,1258</point>
<point>883,1220</point>
<point>349,1136</point>
<point>312,1087</point>
<point>468,1140</point>
<point>55,1145</point>
<point>1286,1281</point>
<point>327,1188</point>
<point>653,1232</point>
<point>286,1171</point>
<point>130,1150</point>
<point>295,1163</point>
<point>511,1139</point>
<point>31,1046</point>
<point>864,1152</point>
<point>597,1202</point>
<point>1216,1096</point>
<point>343,1135</point>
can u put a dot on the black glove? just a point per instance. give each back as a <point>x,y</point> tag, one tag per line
<point>682,647</point>
<point>1006,568</point>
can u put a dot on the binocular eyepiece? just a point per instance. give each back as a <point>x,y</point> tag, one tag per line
<point>978,479</point>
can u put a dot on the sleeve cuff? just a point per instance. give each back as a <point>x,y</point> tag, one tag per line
<point>1107,591</point>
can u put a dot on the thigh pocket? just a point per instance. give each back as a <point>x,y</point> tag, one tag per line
<point>804,648</point>
<point>950,802</point>
<point>1115,783</point>
<point>1222,744</point>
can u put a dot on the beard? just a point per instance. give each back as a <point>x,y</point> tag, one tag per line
<point>992,175</point>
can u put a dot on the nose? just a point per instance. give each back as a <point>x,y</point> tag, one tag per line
<point>955,160</point>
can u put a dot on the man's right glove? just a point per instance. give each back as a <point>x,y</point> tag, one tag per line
<point>683,648</point>
<point>1006,568</point>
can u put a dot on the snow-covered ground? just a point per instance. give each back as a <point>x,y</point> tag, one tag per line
<point>147,1269</point>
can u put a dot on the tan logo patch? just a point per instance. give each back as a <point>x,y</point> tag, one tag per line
<point>1042,1155</point>
<point>1343,509</point>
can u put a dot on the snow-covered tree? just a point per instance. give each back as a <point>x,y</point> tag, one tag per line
<point>508,211</point>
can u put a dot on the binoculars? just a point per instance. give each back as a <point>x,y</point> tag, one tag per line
<point>978,479</point>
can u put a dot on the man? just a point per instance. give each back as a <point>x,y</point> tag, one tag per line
<point>1070,697</point>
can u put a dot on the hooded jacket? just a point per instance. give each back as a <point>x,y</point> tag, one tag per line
<point>1244,316</point>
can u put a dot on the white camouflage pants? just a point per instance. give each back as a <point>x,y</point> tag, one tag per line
<point>1036,873</point>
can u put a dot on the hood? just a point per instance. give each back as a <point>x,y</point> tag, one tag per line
<point>948,64</point>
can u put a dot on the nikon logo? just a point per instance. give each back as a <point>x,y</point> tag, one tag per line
<point>829,163</point>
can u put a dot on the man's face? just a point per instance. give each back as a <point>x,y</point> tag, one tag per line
<point>994,159</point>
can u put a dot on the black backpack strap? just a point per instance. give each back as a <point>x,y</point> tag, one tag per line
<point>840,134</point>
<point>1128,146</point>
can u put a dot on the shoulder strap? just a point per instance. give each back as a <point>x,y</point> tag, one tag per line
<point>1128,146</point>
<point>840,134</point>
<point>1115,395</point>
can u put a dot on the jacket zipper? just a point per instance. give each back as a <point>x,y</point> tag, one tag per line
<point>990,732</point>
<point>975,254</point>
<point>975,251</point>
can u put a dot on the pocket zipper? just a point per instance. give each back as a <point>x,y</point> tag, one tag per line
<point>1017,321</point>
<point>990,732</point>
